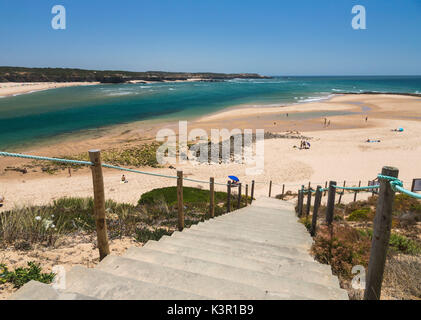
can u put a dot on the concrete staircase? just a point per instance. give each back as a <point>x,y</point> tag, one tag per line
<point>258,252</point>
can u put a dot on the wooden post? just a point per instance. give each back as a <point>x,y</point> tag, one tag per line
<point>283,191</point>
<point>180,200</point>
<point>330,202</point>
<point>325,188</point>
<point>239,196</point>
<point>212,198</point>
<point>308,202</point>
<point>247,195</point>
<point>340,196</point>
<point>300,211</point>
<point>381,235</point>
<point>355,194</point>
<point>317,201</point>
<point>252,191</point>
<point>229,196</point>
<point>299,203</point>
<point>270,188</point>
<point>99,204</point>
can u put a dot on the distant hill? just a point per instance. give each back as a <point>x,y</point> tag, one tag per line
<point>20,74</point>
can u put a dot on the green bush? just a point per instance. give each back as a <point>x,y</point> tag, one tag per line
<point>190,195</point>
<point>404,245</point>
<point>23,275</point>
<point>360,215</point>
<point>397,242</point>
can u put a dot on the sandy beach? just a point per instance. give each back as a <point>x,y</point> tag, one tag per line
<point>338,152</point>
<point>16,88</point>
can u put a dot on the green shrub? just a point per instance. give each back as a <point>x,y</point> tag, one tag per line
<point>23,275</point>
<point>190,195</point>
<point>397,242</point>
<point>360,215</point>
<point>404,245</point>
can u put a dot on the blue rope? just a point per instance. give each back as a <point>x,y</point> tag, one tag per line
<point>357,188</point>
<point>397,186</point>
<point>25,156</point>
<point>88,163</point>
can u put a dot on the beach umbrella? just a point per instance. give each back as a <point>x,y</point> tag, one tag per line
<point>234,178</point>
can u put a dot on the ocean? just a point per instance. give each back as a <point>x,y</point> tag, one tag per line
<point>33,118</point>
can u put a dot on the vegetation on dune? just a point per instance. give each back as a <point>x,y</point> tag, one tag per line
<point>154,216</point>
<point>156,212</point>
<point>21,74</point>
<point>20,276</point>
<point>347,244</point>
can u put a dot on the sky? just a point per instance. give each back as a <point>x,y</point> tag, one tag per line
<point>270,37</point>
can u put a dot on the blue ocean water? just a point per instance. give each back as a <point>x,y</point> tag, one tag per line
<point>35,117</point>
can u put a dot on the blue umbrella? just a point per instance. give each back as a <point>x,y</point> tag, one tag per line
<point>234,178</point>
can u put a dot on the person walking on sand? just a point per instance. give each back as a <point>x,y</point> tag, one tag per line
<point>366,119</point>
<point>328,123</point>
<point>325,122</point>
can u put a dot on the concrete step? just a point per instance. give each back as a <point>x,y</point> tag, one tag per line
<point>244,236</point>
<point>282,288</point>
<point>104,285</point>
<point>251,248</point>
<point>34,290</point>
<point>275,229</point>
<point>206,286</point>
<point>287,267</point>
<point>277,235</point>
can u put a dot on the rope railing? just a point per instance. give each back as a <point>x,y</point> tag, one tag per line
<point>89,163</point>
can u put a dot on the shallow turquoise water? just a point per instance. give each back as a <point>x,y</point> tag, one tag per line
<point>32,118</point>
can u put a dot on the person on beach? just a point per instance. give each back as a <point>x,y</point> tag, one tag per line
<point>123,179</point>
<point>328,123</point>
<point>1,201</point>
<point>325,122</point>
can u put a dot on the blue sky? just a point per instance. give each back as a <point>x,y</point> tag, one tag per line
<point>273,37</point>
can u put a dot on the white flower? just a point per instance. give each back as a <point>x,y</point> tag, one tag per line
<point>38,218</point>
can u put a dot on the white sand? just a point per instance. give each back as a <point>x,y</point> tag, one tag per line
<point>16,88</point>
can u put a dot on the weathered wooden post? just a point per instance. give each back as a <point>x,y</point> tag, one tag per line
<point>239,196</point>
<point>330,202</point>
<point>340,196</point>
<point>317,201</point>
<point>308,202</point>
<point>299,202</point>
<point>228,196</point>
<point>283,191</point>
<point>99,204</point>
<point>180,205</point>
<point>252,191</point>
<point>300,211</point>
<point>356,191</point>
<point>270,188</point>
<point>325,189</point>
<point>381,235</point>
<point>247,195</point>
<point>212,197</point>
